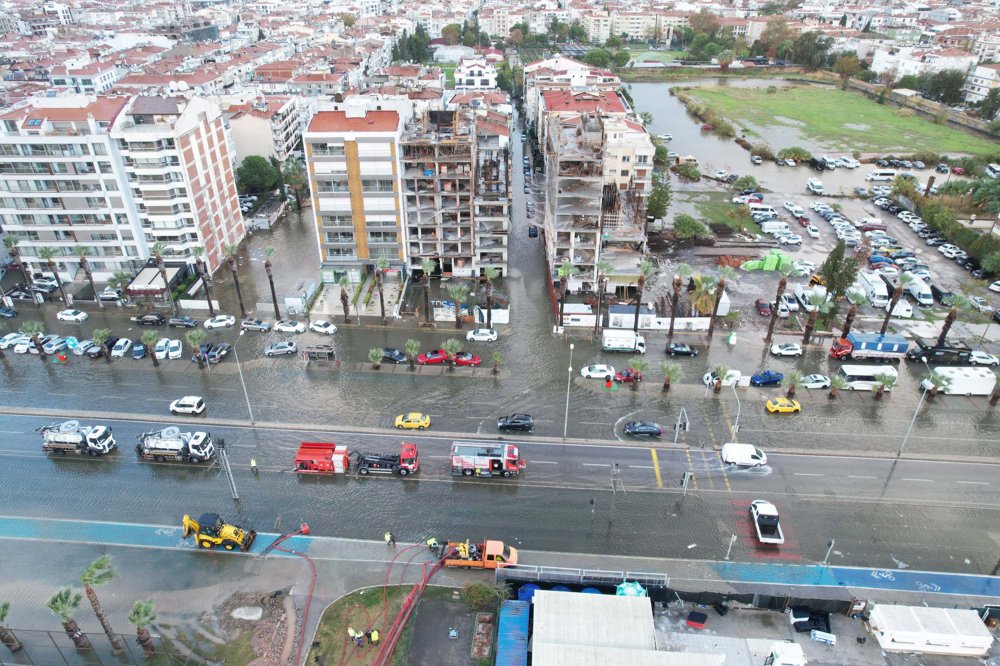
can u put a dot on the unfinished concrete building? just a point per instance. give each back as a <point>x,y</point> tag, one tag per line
<point>493,195</point>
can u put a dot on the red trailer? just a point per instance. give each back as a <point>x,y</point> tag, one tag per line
<point>322,458</point>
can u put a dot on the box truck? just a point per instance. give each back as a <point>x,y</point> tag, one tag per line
<point>623,341</point>
<point>874,288</point>
<point>963,381</point>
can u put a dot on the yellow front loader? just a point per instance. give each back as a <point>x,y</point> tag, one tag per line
<point>211,530</point>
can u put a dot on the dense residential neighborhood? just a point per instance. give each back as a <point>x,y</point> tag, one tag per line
<point>478,332</point>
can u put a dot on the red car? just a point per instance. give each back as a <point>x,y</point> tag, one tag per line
<point>467,358</point>
<point>628,375</point>
<point>958,171</point>
<point>763,307</point>
<point>435,357</point>
<point>803,221</point>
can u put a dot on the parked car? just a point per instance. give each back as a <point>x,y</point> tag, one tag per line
<point>766,378</point>
<point>160,350</point>
<point>121,347</point>
<point>54,345</point>
<point>11,339</point>
<point>110,295</point>
<point>677,349</point>
<point>815,382</point>
<point>783,405</point>
<point>628,376</point>
<point>467,359</point>
<point>74,316</point>
<point>643,429</point>
<point>763,307</point>
<point>522,422</point>
<point>320,326</point>
<point>251,324</point>
<point>983,358</point>
<point>787,349</point>
<point>980,304</point>
<point>218,352</point>
<point>413,421</point>
<point>139,350</point>
<point>175,349</point>
<point>7,313</point>
<point>283,348</point>
<point>220,321</point>
<point>83,346</point>
<point>598,371</point>
<point>191,405</point>
<point>182,322</point>
<point>482,335</point>
<point>434,357</point>
<point>289,326</point>
<point>391,355</point>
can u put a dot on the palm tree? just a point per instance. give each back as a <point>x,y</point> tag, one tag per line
<point>345,300</point>
<point>497,360</point>
<point>64,605</point>
<point>782,283</point>
<point>958,302</point>
<point>98,573</point>
<point>897,293</point>
<point>231,252</point>
<point>451,346</point>
<point>938,381</point>
<point>720,287</point>
<point>82,252</point>
<point>194,338</point>
<point>380,265</point>
<point>604,269</point>
<point>820,305</point>
<point>10,242</point>
<point>268,253</point>
<point>458,292</point>
<point>412,348</point>
<point>157,251</point>
<point>427,266</point>
<point>638,366</point>
<point>34,329</point>
<point>646,270</point>
<point>375,356</point>
<point>198,253</point>
<point>142,616</point>
<point>6,635</point>
<point>47,253</point>
<point>119,281</point>
<point>885,381</point>
<point>995,395</point>
<point>720,373</point>
<point>490,274</point>
<point>837,383</point>
<point>149,339</point>
<point>671,373</point>
<point>566,271</point>
<point>684,271</point>
<point>99,336</point>
<point>792,381</point>
<point>855,299</point>
<point>703,296</point>
<point>678,283</point>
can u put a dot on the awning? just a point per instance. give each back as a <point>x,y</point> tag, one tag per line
<point>148,281</point>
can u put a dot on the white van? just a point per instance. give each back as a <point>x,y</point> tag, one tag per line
<point>881,176</point>
<point>761,208</point>
<point>815,186</point>
<point>773,226</point>
<point>992,170</point>
<point>743,455</point>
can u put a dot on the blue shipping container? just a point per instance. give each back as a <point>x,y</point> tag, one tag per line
<point>512,634</point>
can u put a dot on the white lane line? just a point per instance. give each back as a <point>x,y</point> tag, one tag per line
<point>62,394</point>
<point>544,462</point>
<point>439,456</point>
<point>12,432</point>
<point>927,480</point>
<point>807,474</point>
<point>641,467</point>
<point>974,483</point>
<point>851,476</point>
<point>595,464</point>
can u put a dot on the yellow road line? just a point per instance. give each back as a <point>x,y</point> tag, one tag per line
<point>729,422</point>
<point>656,469</point>
<point>694,477</point>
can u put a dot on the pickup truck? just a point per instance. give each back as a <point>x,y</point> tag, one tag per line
<point>765,520</point>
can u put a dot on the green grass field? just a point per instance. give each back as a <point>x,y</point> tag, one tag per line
<point>840,120</point>
<point>640,55</point>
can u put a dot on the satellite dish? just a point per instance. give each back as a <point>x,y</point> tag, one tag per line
<point>170,431</point>
<point>182,85</point>
<point>69,426</point>
<point>172,85</point>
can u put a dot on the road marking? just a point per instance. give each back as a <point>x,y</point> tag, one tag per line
<point>540,462</point>
<point>656,467</point>
<point>807,474</point>
<point>596,464</point>
<point>851,476</point>
<point>641,467</point>
<point>927,480</point>
<point>591,423</point>
<point>974,483</point>
<point>12,432</point>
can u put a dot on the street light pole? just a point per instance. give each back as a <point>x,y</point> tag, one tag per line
<point>739,406</point>
<point>732,540</point>
<point>923,395</point>
<point>826,560</point>
<point>569,380</point>
<point>239,367</point>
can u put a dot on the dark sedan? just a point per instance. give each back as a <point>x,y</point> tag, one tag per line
<point>219,351</point>
<point>766,378</point>
<point>150,319</point>
<point>678,349</point>
<point>139,350</point>
<point>390,355</point>
<point>182,322</point>
<point>522,422</point>
<point>8,313</point>
<point>643,429</point>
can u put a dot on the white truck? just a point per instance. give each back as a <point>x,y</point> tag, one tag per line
<point>172,444</point>
<point>804,294</point>
<point>623,341</point>
<point>874,288</point>
<point>765,521</point>
<point>71,437</point>
<point>963,381</point>
<point>919,291</point>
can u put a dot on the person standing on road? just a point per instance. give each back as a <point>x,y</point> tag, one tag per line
<point>390,539</point>
<point>374,636</point>
<point>368,635</point>
<point>433,545</point>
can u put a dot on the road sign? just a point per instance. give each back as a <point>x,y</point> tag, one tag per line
<point>72,342</point>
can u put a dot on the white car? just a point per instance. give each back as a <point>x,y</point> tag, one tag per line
<point>790,302</point>
<point>783,311</point>
<point>322,326</point>
<point>789,206</point>
<point>802,264</point>
<point>789,162</point>
<point>787,349</point>
<point>599,371</point>
<point>160,350</point>
<point>121,348</point>
<point>23,345</point>
<point>11,339</point>
<point>482,335</point>
<point>721,174</point>
<point>109,295</point>
<point>815,382</point>
<point>948,247</point>
<point>220,321</point>
<point>790,239</point>
<point>175,349</point>
<point>189,404</point>
<point>665,137</point>
<point>995,286</point>
<point>812,231</point>
<point>731,379</point>
<point>289,326</point>
<point>84,346</point>
<point>980,304</point>
<point>889,271</point>
<point>54,345</point>
<point>922,275</point>
<point>983,358</point>
<point>71,315</point>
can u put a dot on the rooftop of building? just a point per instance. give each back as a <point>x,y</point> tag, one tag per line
<point>339,121</point>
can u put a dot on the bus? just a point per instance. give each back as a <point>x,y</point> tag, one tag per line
<point>862,377</point>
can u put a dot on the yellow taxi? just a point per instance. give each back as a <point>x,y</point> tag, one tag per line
<point>783,405</point>
<point>413,421</point>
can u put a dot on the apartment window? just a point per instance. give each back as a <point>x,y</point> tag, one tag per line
<point>333,186</point>
<point>337,221</point>
<point>642,159</point>
<point>382,237</point>
<point>624,173</point>
<point>377,223</point>
<point>376,185</point>
<point>340,252</point>
<point>626,158</point>
<point>339,237</point>
<point>329,149</point>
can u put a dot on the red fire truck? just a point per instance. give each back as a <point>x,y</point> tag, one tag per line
<point>485,459</point>
<point>330,458</point>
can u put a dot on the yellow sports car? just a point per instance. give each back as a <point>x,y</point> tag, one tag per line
<point>783,405</point>
<point>413,421</point>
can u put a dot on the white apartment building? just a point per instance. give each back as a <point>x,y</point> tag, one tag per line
<point>597,24</point>
<point>981,81</point>
<point>561,73</point>
<point>64,185</point>
<point>475,74</point>
<point>265,126</point>
<point>907,60</point>
<point>180,167</point>
<point>93,78</point>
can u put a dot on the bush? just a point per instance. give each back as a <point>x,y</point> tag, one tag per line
<point>745,183</point>
<point>984,246</point>
<point>687,228</point>
<point>763,150</point>
<point>772,90</point>
<point>480,597</point>
<point>795,153</point>
<point>689,171</point>
<point>927,157</point>
<point>661,155</point>
<point>991,263</point>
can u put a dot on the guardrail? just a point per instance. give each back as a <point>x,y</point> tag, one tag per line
<point>580,576</point>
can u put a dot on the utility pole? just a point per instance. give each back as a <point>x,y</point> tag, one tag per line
<point>224,458</point>
<point>616,484</point>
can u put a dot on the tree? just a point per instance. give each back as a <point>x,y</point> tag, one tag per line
<point>497,360</point>
<point>704,22</point>
<point>294,175</point>
<point>885,381</point>
<point>678,283</point>
<point>614,42</point>
<point>986,195</point>
<point>604,269</point>
<point>646,270</point>
<point>516,36</point>
<point>638,366</point>
<point>991,105</point>
<point>64,605</point>
<point>412,348</point>
<point>157,251</point>
<point>820,305</point>
<point>97,573</point>
<point>810,49</point>
<point>48,254</point>
<point>991,262</point>
<point>791,381</point>
<point>577,33</point>
<point>490,274</point>
<point>380,265</point>
<point>458,293</point>
<point>566,271</point>
<point>782,284</point>
<point>99,336</point>
<point>957,302</point>
<point>149,339</point>
<point>855,299</point>
<point>232,252</point>
<point>451,347</point>
<point>659,197</point>
<point>345,300</point>
<point>846,67</point>
<point>720,372</point>
<point>838,271</point>
<point>687,228</point>
<point>837,383</point>
<point>451,34</point>
<point>671,373</point>
<point>897,293</point>
<point>143,617</point>
<point>195,337</point>
<point>10,242</point>
<point>746,183</point>
<point>598,58</point>
<point>34,329</point>
<point>348,20</point>
<point>703,295</point>
<point>720,288</point>
<point>82,252</point>
<point>937,381</point>
<point>199,263</point>
<point>620,58</point>
<point>256,175</point>
<point>6,635</point>
<point>774,34</point>
<point>427,266</point>
<point>375,357</point>
<point>725,59</point>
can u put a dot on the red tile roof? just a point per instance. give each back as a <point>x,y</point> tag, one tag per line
<point>337,121</point>
<point>565,100</point>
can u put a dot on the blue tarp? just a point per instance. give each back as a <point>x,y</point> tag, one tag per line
<point>512,634</point>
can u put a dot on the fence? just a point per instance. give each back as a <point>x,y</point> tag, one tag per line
<point>55,648</point>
